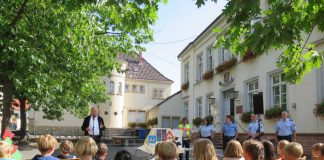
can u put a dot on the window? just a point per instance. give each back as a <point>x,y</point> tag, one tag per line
<point>158,93</point>
<point>134,88</point>
<point>209,56</point>
<point>136,116</point>
<point>170,122</point>
<point>111,87</point>
<point>126,88</point>
<point>142,89</point>
<point>185,110</point>
<point>210,102</point>
<point>224,55</point>
<point>278,90</point>
<point>199,107</point>
<point>199,67</point>
<point>186,73</point>
<point>120,87</point>
<point>252,88</point>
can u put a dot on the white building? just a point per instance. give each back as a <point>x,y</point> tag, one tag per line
<point>168,112</point>
<point>208,92</point>
<point>131,93</point>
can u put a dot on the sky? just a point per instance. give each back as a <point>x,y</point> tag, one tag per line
<point>179,23</point>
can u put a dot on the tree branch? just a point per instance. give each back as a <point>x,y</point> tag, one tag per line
<point>111,33</point>
<point>18,14</point>
<point>310,33</point>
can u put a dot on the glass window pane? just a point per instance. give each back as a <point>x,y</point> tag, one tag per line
<point>256,85</point>
<point>165,122</point>
<point>276,100</point>
<point>283,89</point>
<point>283,98</point>
<point>283,78</point>
<point>284,105</point>
<point>275,79</point>
<point>276,90</point>
<point>175,122</point>
<point>251,87</point>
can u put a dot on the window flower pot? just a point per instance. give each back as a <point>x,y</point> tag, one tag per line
<point>185,86</point>
<point>245,117</point>
<point>208,75</point>
<point>319,110</point>
<point>226,65</point>
<point>249,55</point>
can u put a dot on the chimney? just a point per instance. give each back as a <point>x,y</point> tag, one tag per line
<point>139,58</point>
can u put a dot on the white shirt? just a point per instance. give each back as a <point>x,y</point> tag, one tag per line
<point>94,126</point>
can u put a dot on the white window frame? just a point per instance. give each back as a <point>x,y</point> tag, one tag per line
<point>111,87</point>
<point>141,89</point>
<point>134,88</point>
<point>120,88</point>
<point>224,55</point>
<point>158,93</point>
<point>280,85</point>
<point>126,87</point>
<point>186,73</point>
<point>186,109</point>
<point>210,58</point>
<point>199,67</point>
<point>199,107</point>
<point>250,92</point>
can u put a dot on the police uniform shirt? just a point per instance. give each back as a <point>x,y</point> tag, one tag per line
<point>254,127</point>
<point>285,127</point>
<point>230,129</point>
<point>206,131</point>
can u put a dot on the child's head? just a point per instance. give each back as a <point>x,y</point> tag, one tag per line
<point>233,149</point>
<point>167,151</point>
<point>4,149</point>
<point>156,149</point>
<point>322,153</point>
<point>293,151</point>
<point>46,144</point>
<point>204,149</point>
<point>316,149</point>
<point>102,151</point>
<point>66,147</point>
<point>281,145</point>
<point>86,146</point>
<point>253,150</point>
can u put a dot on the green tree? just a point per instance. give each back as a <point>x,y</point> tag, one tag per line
<point>280,24</point>
<point>55,52</point>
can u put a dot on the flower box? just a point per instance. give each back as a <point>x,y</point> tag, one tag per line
<point>208,75</point>
<point>185,86</point>
<point>274,113</point>
<point>197,121</point>
<point>245,117</point>
<point>226,65</point>
<point>319,110</point>
<point>248,56</point>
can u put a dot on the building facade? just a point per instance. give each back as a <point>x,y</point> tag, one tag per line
<point>132,92</point>
<point>217,83</point>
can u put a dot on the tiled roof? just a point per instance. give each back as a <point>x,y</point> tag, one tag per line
<point>139,68</point>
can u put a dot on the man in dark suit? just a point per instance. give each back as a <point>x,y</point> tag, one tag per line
<point>93,125</point>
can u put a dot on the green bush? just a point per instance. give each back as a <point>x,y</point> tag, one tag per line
<point>142,125</point>
<point>210,118</point>
<point>197,121</point>
<point>274,113</point>
<point>152,122</point>
<point>246,117</point>
<point>319,110</point>
<point>132,124</point>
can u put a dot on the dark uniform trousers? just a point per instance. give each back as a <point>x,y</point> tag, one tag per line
<point>288,138</point>
<point>185,144</point>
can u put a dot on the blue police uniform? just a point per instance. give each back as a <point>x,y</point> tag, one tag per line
<point>206,131</point>
<point>255,127</point>
<point>229,133</point>
<point>285,129</point>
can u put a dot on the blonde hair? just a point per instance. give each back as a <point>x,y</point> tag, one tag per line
<point>233,149</point>
<point>281,145</point>
<point>102,150</point>
<point>4,149</point>
<point>293,149</point>
<point>204,150</point>
<point>167,151</point>
<point>156,149</point>
<point>66,146</point>
<point>46,143</point>
<point>86,146</point>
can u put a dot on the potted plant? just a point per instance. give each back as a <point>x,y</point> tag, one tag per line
<point>210,118</point>
<point>319,110</point>
<point>185,86</point>
<point>226,65</point>
<point>273,113</point>
<point>132,124</point>
<point>248,56</point>
<point>246,117</point>
<point>142,125</point>
<point>197,121</point>
<point>152,122</point>
<point>208,75</point>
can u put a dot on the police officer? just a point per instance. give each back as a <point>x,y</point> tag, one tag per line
<point>229,131</point>
<point>286,128</point>
<point>255,128</point>
<point>186,131</point>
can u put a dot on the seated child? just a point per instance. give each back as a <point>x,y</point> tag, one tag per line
<point>5,151</point>
<point>293,151</point>
<point>102,152</point>
<point>66,149</point>
<point>280,147</point>
<point>46,145</point>
<point>316,148</point>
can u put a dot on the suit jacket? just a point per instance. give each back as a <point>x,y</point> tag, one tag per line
<point>86,125</point>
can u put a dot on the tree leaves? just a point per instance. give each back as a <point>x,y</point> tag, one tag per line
<point>281,25</point>
<point>61,49</point>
